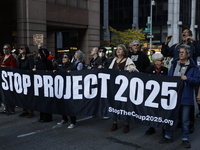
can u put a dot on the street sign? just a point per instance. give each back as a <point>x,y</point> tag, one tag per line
<point>147,30</point>
<point>150,36</point>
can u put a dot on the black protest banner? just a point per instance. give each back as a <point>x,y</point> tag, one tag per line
<point>146,99</point>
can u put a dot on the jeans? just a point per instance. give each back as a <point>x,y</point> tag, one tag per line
<point>185,121</point>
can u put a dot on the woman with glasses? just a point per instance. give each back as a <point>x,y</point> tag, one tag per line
<point>66,62</point>
<point>156,68</point>
<point>8,60</point>
<point>66,66</point>
<point>25,62</point>
<point>122,62</point>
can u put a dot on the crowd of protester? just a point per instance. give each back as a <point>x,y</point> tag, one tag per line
<point>184,64</point>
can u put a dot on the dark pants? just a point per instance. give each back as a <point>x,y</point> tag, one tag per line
<point>73,119</point>
<point>27,111</point>
<point>45,116</point>
<point>65,118</point>
<point>10,108</point>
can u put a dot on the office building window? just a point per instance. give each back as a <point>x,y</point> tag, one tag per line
<point>70,3</point>
<point>185,11</point>
<point>159,12</point>
<point>120,14</point>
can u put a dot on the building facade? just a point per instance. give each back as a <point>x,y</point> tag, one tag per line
<point>168,17</point>
<point>63,23</point>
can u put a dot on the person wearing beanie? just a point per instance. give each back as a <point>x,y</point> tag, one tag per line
<point>103,61</point>
<point>42,63</point>
<point>45,51</point>
<point>66,66</point>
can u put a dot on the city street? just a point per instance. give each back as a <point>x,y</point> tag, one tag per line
<point>91,133</point>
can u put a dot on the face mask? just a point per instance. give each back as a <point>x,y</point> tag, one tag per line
<point>101,54</point>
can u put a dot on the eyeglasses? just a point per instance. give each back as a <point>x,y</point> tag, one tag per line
<point>186,32</point>
<point>5,48</point>
<point>182,52</point>
<point>161,60</point>
<point>101,51</point>
<point>136,45</point>
<point>21,48</point>
<point>65,57</point>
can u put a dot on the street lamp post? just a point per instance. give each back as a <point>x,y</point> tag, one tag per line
<point>151,36</point>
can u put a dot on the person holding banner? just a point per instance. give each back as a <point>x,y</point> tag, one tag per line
<point>156,68</point>
<point>8,60</point>
<point>186,68</point>
<point>198,91</point>
<point>99,60</point>
<point>122,62</point>
<point>25,62</point>
<point>140,59</point>
<point>198,102</point>
<point>66,66</point>
<point>42,63</point>
<point>172,51</point>
<point>76,65</point>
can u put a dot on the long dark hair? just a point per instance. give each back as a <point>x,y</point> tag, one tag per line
<point>27,50</point>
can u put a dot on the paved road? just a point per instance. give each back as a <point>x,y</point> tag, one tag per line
<point>90,134</point>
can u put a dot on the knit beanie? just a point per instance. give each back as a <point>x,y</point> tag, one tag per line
<point>45,51</point>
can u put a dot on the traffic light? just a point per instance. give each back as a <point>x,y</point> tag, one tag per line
<point>147,30</point>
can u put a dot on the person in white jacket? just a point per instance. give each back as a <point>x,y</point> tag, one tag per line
<point>122,62</point>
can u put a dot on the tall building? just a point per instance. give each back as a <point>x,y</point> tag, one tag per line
<point>63,23</point>
<point>168,17</point>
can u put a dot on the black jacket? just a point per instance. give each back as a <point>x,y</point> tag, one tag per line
<point>42,63</point>
<point>152,70</point>
<point>140,59</point>
<point>25,64</point>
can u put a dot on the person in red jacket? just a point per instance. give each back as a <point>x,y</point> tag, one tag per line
<point>8,60</point>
